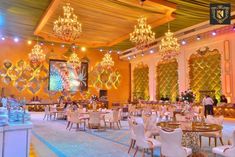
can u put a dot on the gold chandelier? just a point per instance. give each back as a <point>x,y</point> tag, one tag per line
<point>36,55</point>
<point>142,35</point>
<point>169,45</point>
<point>74,60</point>
<point>107,61</point>
<point>67,28</point>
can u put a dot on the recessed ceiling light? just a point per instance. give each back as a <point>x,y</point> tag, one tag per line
<point>183,42</point>
<point>83,49</point>
<point>29,42</point>
<point>16,39</point>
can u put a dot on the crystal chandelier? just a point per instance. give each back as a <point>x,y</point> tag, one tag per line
<point>67,28</point>
<point>169,45</point>
<point>36,54</point>
<point>142,35</point>
<point>74,60</point>
<point>107,61</point>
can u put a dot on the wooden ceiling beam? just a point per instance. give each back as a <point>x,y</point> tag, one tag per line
<point>50,10</point>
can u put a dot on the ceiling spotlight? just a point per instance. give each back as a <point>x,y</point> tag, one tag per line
<point>214,33</point>
<point>110,51</point>
<point>83,49</point>
<point>62,45</point>
<point>16,39</point>
<point>129,58</point>
<point>198,37</point>
<point>134,56</point>
<point>101,50</point>
<point>142,54</point>
<point>3,38</point>
<point>29,42</point>
<point>183,42</point>
<point>118,52</point>
<point>41,43</point>
<point>151,51</point>
<point>52,44</point>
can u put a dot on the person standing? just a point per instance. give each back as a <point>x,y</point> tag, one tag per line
<point>208,104</point>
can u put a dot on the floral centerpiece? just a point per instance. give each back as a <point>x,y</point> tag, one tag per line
<point>188,96</point>
<point>94,100</point>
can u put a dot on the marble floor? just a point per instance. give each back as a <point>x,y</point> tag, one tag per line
<point>51,139</point>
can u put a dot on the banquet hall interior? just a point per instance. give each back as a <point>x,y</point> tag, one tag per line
<point>117,78</point>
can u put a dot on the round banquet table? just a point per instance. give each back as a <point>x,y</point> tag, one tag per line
<point>191,132</point>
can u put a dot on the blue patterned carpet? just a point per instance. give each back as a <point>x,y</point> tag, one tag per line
<point>51,137</point>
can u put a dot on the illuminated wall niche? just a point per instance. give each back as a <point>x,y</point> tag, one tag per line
<point>167,79</point>
<point>141,82</point>
<point>205,73</point>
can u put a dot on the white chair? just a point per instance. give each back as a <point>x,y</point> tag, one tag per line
<point>142,141</point>
<point>47,113</point>
<point>171,144</point>
<point>112,118</point>
<point>217,134</point>
<point>151,129</point>
<point>94,120</point>
<point>120,117</point>
<point>76,119</point>
<point>53,111</point>
<point>228,150</point>
<point>132,135</point>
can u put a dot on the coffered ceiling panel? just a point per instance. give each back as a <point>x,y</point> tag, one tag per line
<point>105,22</point>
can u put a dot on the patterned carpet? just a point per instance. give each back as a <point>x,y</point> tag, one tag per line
<point>50,138</point>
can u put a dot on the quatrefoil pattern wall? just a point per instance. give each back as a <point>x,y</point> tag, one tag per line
<point>141,82</point>
<point>205,73</point>
<point>167,79</point>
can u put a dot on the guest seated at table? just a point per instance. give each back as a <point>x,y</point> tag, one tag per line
<point>223,99</point>
<point>36,98</point>
<point>215,101</point>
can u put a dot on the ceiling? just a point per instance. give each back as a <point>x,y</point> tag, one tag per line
<point>105,22</point>
<point>113,19</point>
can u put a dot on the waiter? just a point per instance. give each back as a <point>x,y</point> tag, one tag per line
<point>208,103</point>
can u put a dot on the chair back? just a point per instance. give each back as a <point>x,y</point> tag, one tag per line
<point>115,116</point>
<point>231,151</point>
<point>74,117</point>
<point>171,143</point>
<point>53,108</point>
<point>180,118</point>
<point>220,120</point>
<point>131,125</point>
<point>47,109</point>
<point>140,136</point>
<point>120,114</point>
<point>94,118</point>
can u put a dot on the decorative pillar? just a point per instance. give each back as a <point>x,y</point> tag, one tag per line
<point>183,78</point>
<point>228,73</point>
<point>152,80</point>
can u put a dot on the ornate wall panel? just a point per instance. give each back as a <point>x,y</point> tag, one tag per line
<point>167,79</point>
<point>205,73</point>
<point>141,82</point>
